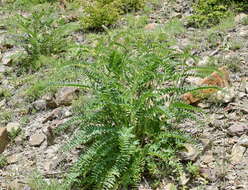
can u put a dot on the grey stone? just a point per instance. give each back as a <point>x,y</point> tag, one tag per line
<point>66,95</point>
<point>243,141</point>
<point>37,139</point>
<point>237,129</point>
<point>39,105</point>
<point>237,154</point>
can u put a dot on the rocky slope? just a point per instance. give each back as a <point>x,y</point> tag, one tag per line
<point>223,131</point>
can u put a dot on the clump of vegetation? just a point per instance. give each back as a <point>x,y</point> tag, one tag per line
<point>101,12</point>
<point>41,34</point>
<point>126,123</point>
<point>3,161</point>
<point>211,12</point>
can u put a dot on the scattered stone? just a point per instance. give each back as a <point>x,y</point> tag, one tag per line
<point>237,153</point>
<point>191,153</point>
<point>170,186</point>
<point>39,105</point>
<point>243,141</point>
<point>18,140</point>
<point>57,113</point>
<point>151,26</point>
<point>243,32</point>
<point>8,57</point>
<point>15,185</point>
<point>37,139</point>
<point>203,105</point>
<point>240,17</point>
<point>66,95</point>
<point>208,174</point>
<point>207,158</point>
<point>4,139</point>
<point>237,129</point>
<point>50,101</point>
<point>225,95</point>
<point>13,126</point>
<point>12,159</point>
<point>3,68</point>
<point>183,179</point>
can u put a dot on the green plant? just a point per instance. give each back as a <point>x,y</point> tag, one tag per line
<point>41,34</point>
<point>193,169</point>
<point>4,93</point>
<point>126,124</point>
<point>130,5</point>
<point>99,14</point>
<point>208,13</point>
<point>14,133</point>
<point>211,12</point>
<point>236,44</point>
<point>102,12</point>
<point>5,116</point>
<point>3,161</point>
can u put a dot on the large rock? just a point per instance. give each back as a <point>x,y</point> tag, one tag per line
<point>66,95</point>
<point>4,139</point>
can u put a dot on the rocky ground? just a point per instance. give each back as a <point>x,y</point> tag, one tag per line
<point>222,131</point>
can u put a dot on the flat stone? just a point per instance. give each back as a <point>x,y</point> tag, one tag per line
<point>191,153</point>
<point>4,139</point>
<point>237,129</point>
<point>237,154</point>
<point>13,159</point>
<point>226,95</point>
<point>243,141</point>
<point>208,158</point>
<point>39,105</point>
<point>37,139</point>
<point>57,113</point>
<point>66,95</point>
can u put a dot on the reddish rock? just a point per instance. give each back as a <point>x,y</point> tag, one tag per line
<point>4,139</point>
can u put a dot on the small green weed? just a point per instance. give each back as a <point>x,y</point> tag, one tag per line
<point>236,44</point>
<point>193,169</point>
<point>37,182</point>
<point>3,161</point>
